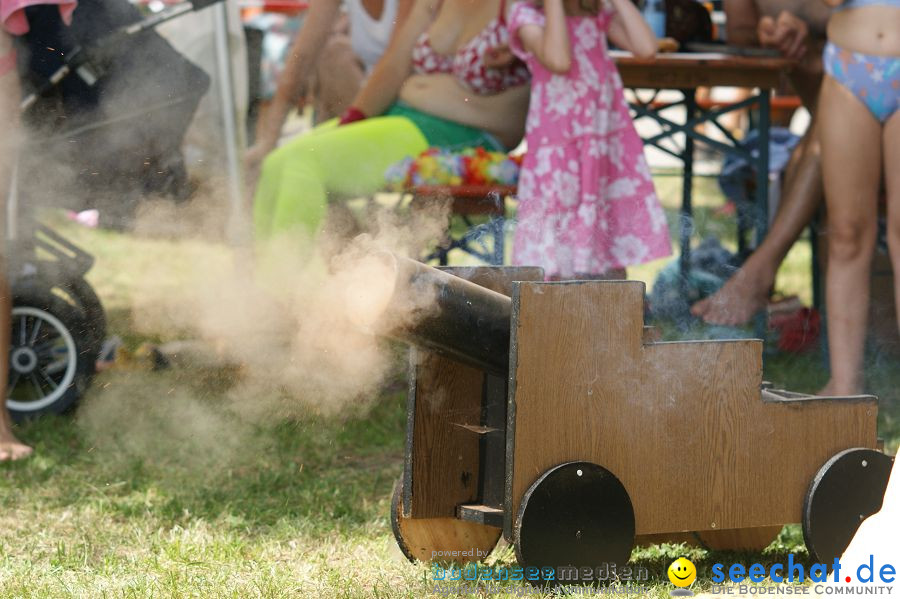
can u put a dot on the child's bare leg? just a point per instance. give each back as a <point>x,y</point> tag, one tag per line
<point>891,149</point>
<point>10,447</point>
<point>851,152</point>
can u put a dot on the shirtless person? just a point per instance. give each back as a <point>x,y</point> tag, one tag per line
<point>797,29</point>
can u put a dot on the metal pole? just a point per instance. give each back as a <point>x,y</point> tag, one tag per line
<point>12,204</point>
<point>225,85</point>
<point>687,209</point>
<point>762,168</point>
<point>761,322</point>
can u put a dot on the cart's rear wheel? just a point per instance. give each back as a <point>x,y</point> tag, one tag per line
<point>436,539</point>
<point>49,369</point>
<point>576,514</point>
<point>846,490</point>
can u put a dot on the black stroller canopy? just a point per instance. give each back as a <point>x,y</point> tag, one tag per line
<point>116,124</point>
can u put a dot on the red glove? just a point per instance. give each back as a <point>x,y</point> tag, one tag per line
<point>351,115</point>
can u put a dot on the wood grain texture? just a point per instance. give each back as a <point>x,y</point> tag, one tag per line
<point>437,539</point>
<point>673,538</point>
<point>689,70</point>
<point>444,465</point>
<point>445,457</point>
<point>739,539</point>
<point>682,425</point>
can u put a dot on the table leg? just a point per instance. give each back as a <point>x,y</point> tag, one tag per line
<point>761,322</point>
<point>686,221</point>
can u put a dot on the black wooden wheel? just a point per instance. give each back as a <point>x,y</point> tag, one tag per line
<point>846,490</point>
<point>576,514</point>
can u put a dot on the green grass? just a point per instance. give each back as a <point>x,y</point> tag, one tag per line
<point>157,487</point>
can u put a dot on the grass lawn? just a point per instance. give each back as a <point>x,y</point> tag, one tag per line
<point>158,487</point>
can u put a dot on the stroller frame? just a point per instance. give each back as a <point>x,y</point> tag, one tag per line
<point>58,321</point>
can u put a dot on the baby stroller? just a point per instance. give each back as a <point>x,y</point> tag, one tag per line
<point>107,103</point>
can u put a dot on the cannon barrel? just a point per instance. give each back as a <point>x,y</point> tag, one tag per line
<point>435,310</point>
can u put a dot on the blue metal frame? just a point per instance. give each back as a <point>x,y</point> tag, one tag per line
<point>474,240</point>
<point>696,115</point>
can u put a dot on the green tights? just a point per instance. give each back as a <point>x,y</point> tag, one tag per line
<point>298,177</point>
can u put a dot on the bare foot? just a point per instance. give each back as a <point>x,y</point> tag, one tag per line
<point>742,296</point>
<point>11,449</point>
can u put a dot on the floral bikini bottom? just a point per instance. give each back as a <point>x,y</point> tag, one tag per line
<point>875,80</point>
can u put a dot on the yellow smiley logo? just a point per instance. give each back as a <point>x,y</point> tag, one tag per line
<point>682,572</point>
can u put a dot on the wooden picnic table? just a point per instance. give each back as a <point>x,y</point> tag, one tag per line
<point>688,70</point>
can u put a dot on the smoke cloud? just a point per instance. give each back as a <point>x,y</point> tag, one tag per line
<point>273,319</point>
<point>284,322</point>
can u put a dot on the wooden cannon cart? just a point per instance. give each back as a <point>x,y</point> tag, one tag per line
<point>544,412</point>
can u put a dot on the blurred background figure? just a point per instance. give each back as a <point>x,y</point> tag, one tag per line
<point>12,21</point>
<point>796,28</point>
<point>110,134</point>
<point>328,60</point>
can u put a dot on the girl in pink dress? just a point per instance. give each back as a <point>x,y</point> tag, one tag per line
<point>587,204</point>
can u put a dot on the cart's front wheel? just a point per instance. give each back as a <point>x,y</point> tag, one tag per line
<point>576,514</point>
<point>846,490</point>
<point>440,539</point>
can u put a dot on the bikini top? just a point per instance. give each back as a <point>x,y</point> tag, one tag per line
<point>860,3</point>
<point>467,63</point>
<point>369,37</point>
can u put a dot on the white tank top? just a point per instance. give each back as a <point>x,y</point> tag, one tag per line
<point>369,37</point>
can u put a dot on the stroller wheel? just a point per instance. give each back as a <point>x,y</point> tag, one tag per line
<point>79,294</point>
<point>71,289</point>
<point>49,368</point>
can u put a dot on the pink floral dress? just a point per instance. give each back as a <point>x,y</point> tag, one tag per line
<point>586,200</point>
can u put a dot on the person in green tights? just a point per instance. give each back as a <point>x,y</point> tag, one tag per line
<point>447,80</point>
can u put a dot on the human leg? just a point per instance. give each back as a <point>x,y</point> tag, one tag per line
<point>851,152</point>
<point>747,291</point>
<point>298,177</point>
<point>10,447</point>
<point>891,149</point>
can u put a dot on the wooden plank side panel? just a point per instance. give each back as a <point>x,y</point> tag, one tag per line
<point>444,461</point>
<point>682,425</point>
<point>697,389</point>
<point>566,368</point>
